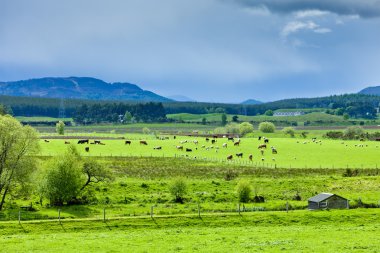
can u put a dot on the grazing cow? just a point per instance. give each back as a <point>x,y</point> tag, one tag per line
<point>215,136</point>
<point>189,150</point>
<point>143,143</point>
<point>262,146</point>
<point>174,137</point>
<point>231,138</point>
<point>102,143</point>
<point>237,143</point>
<point>128,142</point>
<point>207,139</point>
<point>259,138</point>
<point>239,155</point>
<point>224,145</point>
<point>46,140</point>
<point>274,151</point>
<point>263,159</point>
<point>250,157</point>
<point>67,142</point>
<point>230,157</point>
<point>87,149</point>
<point>203,146</point>
<point>83,141</point>
<point>97,142</point>
<point>262,151</point>
<point>195,142</point>
<point>179,147</point>
<point>266,141</point>
<point>213,141</point>
<point>157,148</point>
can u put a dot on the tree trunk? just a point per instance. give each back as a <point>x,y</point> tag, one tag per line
<point>3,198</point>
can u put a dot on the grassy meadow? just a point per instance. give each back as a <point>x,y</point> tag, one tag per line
<point>143,175</point>
<point>300,231</point>
<point>292,152</point>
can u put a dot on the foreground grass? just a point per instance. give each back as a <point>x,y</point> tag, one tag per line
<point>324,231</point>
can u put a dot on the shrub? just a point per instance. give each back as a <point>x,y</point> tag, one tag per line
<point>334,135</point>
<point>267,127</point>
<point>231,175</point>
<point>353,132</point>
<point>245,128</point>
<point>232,128</point>
<point>289,130</point>
<point>146,130</point>
<point>178,189</point>
<point>244,191</point>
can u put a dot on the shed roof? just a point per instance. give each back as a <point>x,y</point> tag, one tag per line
<point>322,196</point>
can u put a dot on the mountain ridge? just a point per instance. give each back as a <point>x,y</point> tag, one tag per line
<point>78,87</point>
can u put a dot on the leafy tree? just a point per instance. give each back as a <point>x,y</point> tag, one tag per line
<point>178,189</point>
<point>60,127</point>
<point>219,110</point>
<point>224,119</point>
<point>18,144</point>
<point>127,117</point>
<point>235,118</point>
<point>289,130</point>
<point>204,121</point>
<point>244,191</point>
<point>267,127</point>
<point>245,128</point>
<point>269,113</point>
<point>95,172</point>
<point>63,179</point>
<point>346,116</point>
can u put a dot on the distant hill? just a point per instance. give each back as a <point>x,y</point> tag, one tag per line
<point>78,87</point>
<point>374,90</point>
<point>251,102</point>
<point>180,98</point>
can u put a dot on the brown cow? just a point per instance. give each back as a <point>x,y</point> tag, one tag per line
<point>179,147</point>
<point>230,157</point>
<point>262,146</point>
<point>237,143</point>
<point>250,157</point>
<point>46,141</point>
<point>67,142</point>
<point>143,143</point>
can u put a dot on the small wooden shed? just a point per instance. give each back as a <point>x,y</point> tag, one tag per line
<point>328,200</point>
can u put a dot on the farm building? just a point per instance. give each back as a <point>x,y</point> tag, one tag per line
<point>298,113</point>
<point>328,200</point>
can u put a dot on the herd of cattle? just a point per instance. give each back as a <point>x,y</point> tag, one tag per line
<point>213,140</point>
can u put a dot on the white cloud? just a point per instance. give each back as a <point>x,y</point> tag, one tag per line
<point>297,26</point>
<point>310,14</point>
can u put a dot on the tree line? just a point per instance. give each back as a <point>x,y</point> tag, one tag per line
<point>354,105</point>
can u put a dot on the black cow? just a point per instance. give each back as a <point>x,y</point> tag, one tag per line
<point>128,142</point>
<point>239,155</point>
<point>87,149</point>
<point>83,141</point>
<point>189,150</point>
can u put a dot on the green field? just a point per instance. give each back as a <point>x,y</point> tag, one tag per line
<point>292,152</point>
<point>300,231</point>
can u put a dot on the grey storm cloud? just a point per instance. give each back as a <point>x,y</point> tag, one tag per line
<point>362,8</point>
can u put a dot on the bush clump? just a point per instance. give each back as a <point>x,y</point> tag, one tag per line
<point>267,127</point>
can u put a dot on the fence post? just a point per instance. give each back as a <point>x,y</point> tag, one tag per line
<point>239,208</point>
<point>287,206</point>
<point>19,217</point>
<point>151,212</point>
<point>59,216</point>
<point>104,214</point>
<point>199,210</point>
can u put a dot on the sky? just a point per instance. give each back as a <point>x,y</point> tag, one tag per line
<point>208,50</point>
